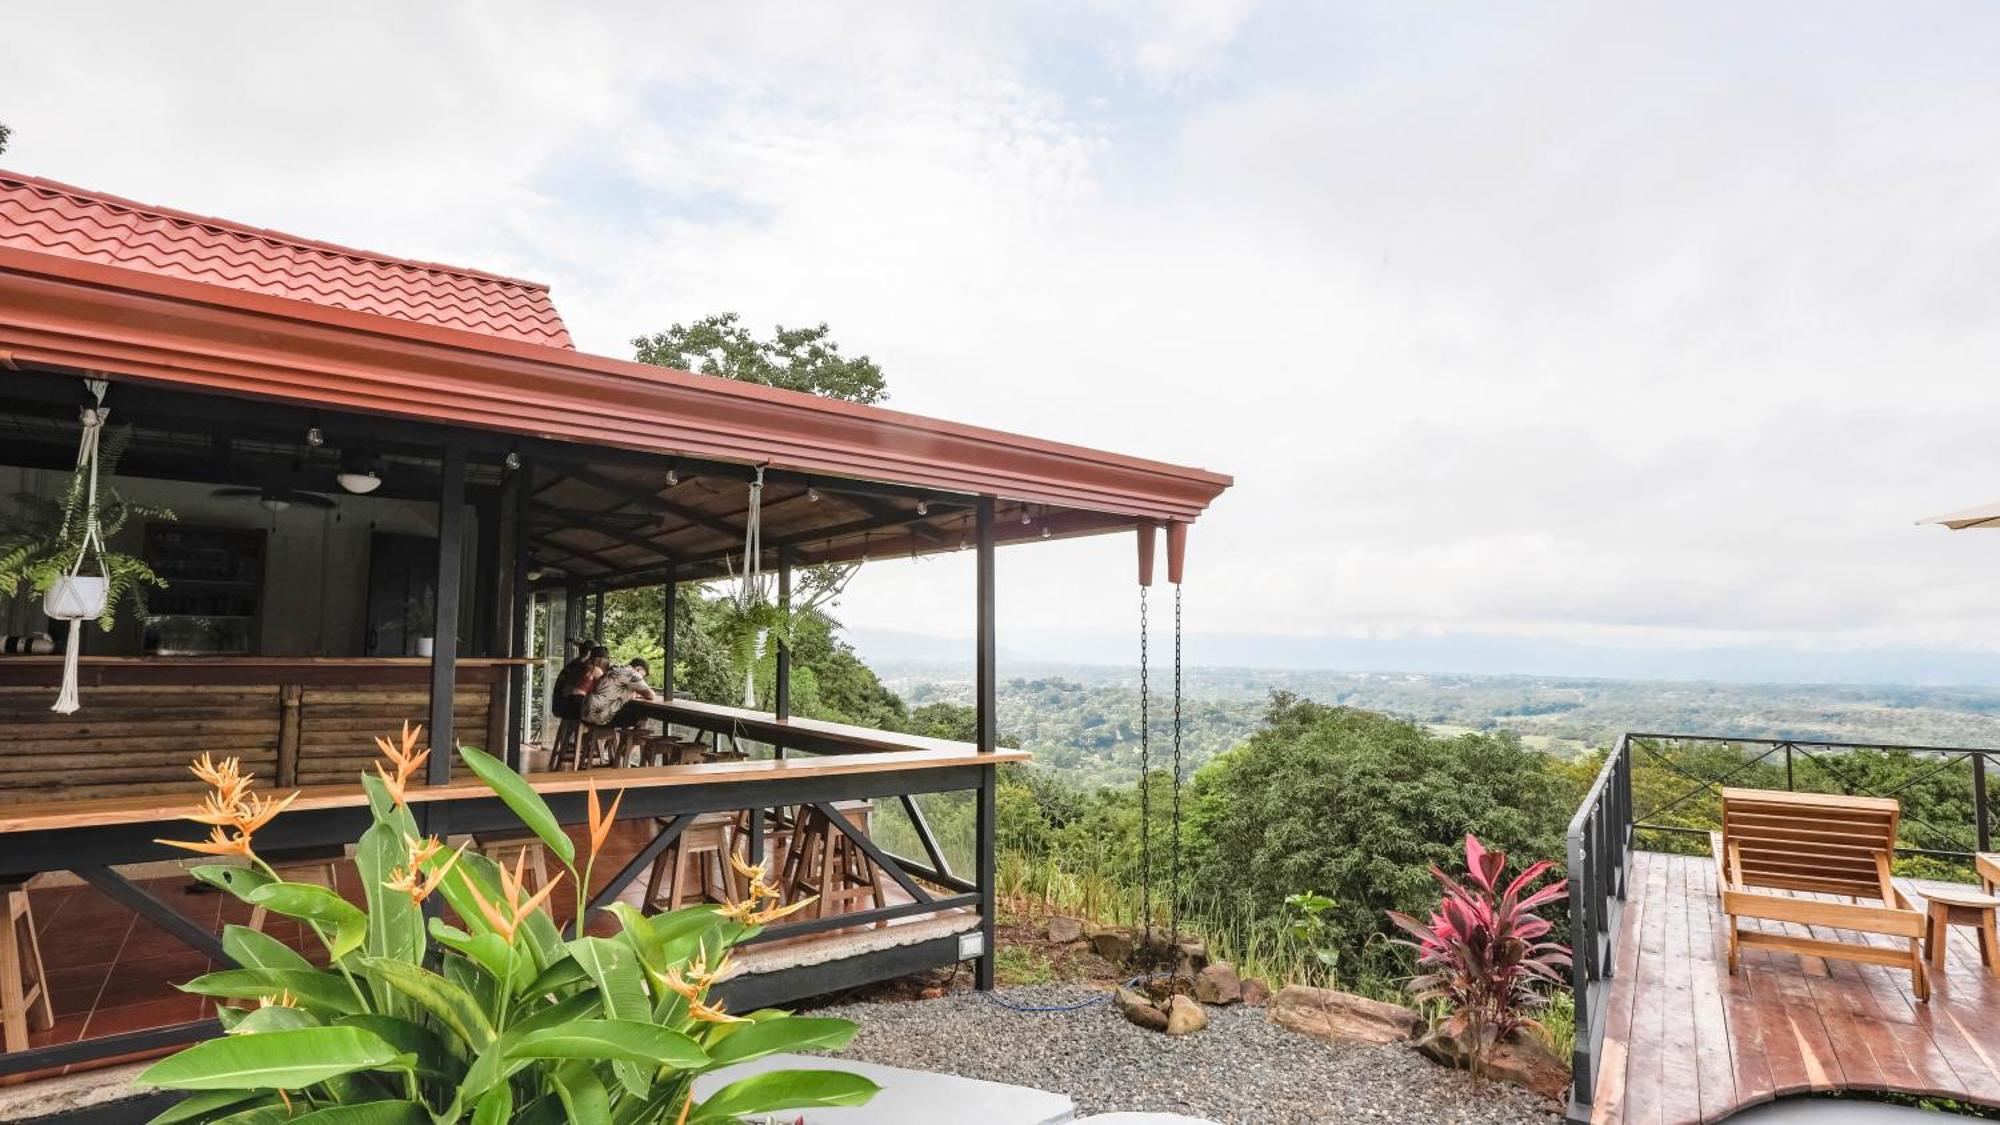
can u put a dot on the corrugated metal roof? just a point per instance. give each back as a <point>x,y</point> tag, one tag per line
<point>53,218</point>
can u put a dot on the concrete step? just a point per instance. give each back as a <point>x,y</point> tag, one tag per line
<point>912,1097</point>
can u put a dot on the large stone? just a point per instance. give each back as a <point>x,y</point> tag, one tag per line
<point>1063,930</point>
<point>1114,944</point>
<point>1342,1015</point>
<point>1526,1061</point>
<point>1185,1017</point>
<point>1218,984</point>
<point>1255,992</point>
<point>1139,1010</point>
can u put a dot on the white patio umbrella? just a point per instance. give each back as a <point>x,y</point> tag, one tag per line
<point>1986,515</point>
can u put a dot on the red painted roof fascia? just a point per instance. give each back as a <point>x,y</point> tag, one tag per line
<point>70,313</point>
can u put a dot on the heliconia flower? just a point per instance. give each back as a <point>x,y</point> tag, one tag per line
<point>506,917</point>
<point>219,842</point>
<point>694,994</point>
<point>406,758</point>
<point>231,812</point>
<point>413,882</point>
<point>600,824</point>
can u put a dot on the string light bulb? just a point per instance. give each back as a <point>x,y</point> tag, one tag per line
<point>513,461</point>
<point>812,494</point>
<point>1045,531</point>
<point>923,507</point>
<point>315,438</point>
<point>1026,519</point>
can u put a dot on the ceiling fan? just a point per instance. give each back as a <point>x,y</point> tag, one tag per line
<point>276,495</point>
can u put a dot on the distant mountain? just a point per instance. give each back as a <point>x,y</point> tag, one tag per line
<point>1083,719</point>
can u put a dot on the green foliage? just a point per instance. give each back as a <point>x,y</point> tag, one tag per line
<point>492,1015</point>
<point>1306,922</point>
<point>796,359</point>
<point>5,133</point>
<point>40,542</point>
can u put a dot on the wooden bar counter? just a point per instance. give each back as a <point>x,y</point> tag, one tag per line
<point>293,720</point>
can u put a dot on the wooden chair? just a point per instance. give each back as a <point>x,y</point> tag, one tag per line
<point>24,987</point>
<point>508,848</point>
<point>1816,845</point>
<point>822,861</point>
<point>303,865</point>
<point>705,845</point>
<point>568,745</point>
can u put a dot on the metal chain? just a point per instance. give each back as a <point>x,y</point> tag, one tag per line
<point>1174,892</point>
<point>1145,775</point>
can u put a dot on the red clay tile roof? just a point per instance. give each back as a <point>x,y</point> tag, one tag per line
<point>53,218</point>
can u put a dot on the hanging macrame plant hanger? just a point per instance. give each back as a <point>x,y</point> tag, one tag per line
<point>77,597</point>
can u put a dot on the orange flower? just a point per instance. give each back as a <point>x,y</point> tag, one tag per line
<point>231,812</point>
<point>514,909</point>
<point>406,758</point>
<point>694,993</point>
<point>600,825</point>
<point>753,910</point>
<point>413,881</point>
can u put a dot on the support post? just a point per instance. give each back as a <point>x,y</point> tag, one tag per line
<point>782,690</point>
<point>444,651</point>
<point>597,616</point>
<point>487,573</point>
<point>573,619</point>
<point>520,623</point>
<point>987,694</point>
<point>1982,811</point>
<point>669,604</point>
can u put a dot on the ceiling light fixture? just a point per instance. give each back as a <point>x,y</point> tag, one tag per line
<point>360,482</point>
<point>513,461</point>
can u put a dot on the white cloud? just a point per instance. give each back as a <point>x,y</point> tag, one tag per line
<point>1637,325</point>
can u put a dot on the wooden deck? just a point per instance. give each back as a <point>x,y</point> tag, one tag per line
<point>1685,1041</point>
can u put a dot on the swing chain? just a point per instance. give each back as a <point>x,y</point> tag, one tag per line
<point>1174,892</point>
<point>1145,777</point>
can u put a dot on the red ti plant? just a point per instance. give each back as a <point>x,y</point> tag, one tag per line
<point>1482,950</point>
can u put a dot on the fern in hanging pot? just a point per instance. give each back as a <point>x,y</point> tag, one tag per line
<point>57,548</point>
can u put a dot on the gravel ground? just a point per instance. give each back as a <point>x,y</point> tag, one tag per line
<point>1243,1069</point>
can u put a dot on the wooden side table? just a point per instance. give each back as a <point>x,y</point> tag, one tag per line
<point>1989,870</point>
<point>1946,908</point>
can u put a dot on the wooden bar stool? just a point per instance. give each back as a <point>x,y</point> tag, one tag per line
<point>1947,907</point>
<point>706,845</point>
<point>822,861</point>
<point>24,986</point>
<point>302,865</point>
<point>508,848</point>
<point>568,745</point>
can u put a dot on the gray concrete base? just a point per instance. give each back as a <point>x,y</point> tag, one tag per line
<point>911,1097</point>
<point>1833,1111</point>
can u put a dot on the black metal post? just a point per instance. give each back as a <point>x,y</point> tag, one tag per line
<point>1981,810</point>
<point>597,616</point>
<point>782,704</point>
<point>1788,768</point>
<point>487,573</point>
<point>669,597</point>
<point>444,645</point>
<point>573,619</point>
<point>520,623</point>
<point>987,695</point>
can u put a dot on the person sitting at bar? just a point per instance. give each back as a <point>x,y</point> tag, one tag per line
<point>610,700</point>
<point>574,682</point>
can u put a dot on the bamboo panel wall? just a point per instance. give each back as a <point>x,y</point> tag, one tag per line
<point>305,722</point>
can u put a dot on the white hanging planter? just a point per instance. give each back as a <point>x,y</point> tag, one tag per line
<point>76,597</point>
<point>426,646</point>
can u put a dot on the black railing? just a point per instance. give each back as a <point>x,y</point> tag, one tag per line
<point>1943,791</point>
<point>1600,860</point>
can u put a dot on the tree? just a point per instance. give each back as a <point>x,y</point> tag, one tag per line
<point>796,359</point>
<point>4,134</point>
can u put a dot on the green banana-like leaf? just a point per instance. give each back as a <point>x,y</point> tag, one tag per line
<point>314,903</point>
<point>276,1017</point>
<point>276,1060</point>
<point>774,1090</point>
<point>740,1042</point>
<point>316,990</point>
<point>494,1066</point>
<point>632,1041</point>
<point>622,990</point>
<point>433,1059</point>
<point>582,1093</point>
<point>490,952</point>
<point>235,879</point>
<point>521,797</point>
<point>453,1007</point>
<point>558,976</point>
<point>209,1102</point>
<point>395,924</point>
<point>270,1113</point>
<point>367,1113</point>
<point>254,949</point>
<point>495,1108</point>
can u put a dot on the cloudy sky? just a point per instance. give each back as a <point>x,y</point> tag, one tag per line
<point>1569,327</point>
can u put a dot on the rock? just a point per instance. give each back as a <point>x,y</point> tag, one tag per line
<point>1445,1049</point>
<point>1218,984</point>
<point>1342,1015</point>
<point>1185,1017</point>
<point>1526,1061</point>
<point>1255,992</point>
<point>931,993</point>
<point>1115,945</point>
<point>1063,930</point>
<point>1139,1010</point>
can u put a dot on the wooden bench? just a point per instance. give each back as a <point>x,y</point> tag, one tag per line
<point>1815,844</point>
